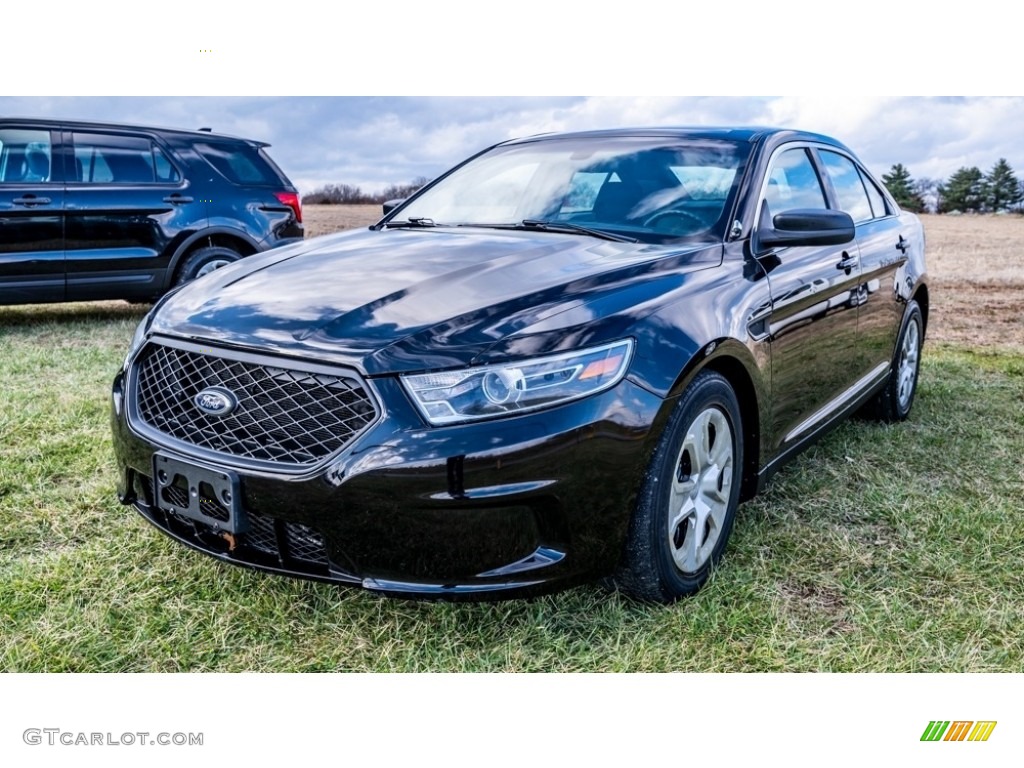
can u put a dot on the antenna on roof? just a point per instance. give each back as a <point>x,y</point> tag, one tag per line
<point>208,130</point>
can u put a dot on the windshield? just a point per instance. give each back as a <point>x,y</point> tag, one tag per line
<point>649,189</point>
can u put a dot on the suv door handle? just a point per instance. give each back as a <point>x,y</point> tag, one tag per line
<point>30,200</point>
<point>847,263</point>
<point>177,199</point>
<point>902,245</point>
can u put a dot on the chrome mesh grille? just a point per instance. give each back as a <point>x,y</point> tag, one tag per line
<point>282,415</point>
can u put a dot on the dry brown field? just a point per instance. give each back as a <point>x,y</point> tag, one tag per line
<point>975,269</point>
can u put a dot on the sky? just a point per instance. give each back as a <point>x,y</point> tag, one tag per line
<point>373,141</point>
<point>307,77</point>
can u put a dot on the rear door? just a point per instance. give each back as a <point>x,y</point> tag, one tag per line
<point>127,206</point>
<point>882,252</point>
<point>31,217</point>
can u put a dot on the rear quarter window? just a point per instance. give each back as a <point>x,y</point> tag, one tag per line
<point>239,163</point>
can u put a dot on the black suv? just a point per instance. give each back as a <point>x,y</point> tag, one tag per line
<point>94,211</point>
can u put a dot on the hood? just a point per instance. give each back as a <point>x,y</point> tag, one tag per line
<point>420,299</point>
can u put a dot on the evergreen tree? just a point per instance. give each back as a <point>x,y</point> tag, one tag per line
<point>901,186</point>
<point>1002,190</point>
<point>965,192</point>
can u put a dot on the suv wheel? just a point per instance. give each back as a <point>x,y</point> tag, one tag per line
<point>204,261</point>
<point>686,507</point>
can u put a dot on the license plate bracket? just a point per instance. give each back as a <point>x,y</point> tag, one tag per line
<point>204,494</point>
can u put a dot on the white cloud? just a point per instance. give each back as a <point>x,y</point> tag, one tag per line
<point>372,142</point>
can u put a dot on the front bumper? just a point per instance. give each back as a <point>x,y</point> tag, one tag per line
<point>505,507</point>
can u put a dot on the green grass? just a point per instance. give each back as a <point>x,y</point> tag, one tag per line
<point>883,548</point>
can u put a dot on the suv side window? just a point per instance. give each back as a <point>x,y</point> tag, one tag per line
<point>25,156</point>
<point>846,181</point>
<point>793,183</point>
<point>109,159</point>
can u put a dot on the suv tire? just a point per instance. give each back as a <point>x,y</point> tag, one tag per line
<point>204,261</point>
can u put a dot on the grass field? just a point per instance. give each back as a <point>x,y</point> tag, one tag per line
<point>883,548</point>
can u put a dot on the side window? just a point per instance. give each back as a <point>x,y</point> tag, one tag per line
<point>793,183</point>
<point>109,159</point>
<point>846,181</point>
<point>164,170</point>
<point>878,204</point>
<point>25,156</point>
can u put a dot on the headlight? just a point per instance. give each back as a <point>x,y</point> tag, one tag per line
<point>526,385</point>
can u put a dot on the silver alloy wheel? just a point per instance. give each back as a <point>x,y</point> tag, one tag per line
<point>700,490</point>
<point>209,266</point>
<point>907,369</point>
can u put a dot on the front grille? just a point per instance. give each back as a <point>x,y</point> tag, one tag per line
<point>282,415</point>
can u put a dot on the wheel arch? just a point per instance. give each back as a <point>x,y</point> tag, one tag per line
<point>920,295</point>
<point>737,365</point>
<point>237,241</point>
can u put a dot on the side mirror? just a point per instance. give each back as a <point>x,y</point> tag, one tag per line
<point>390,205</point>
<point>806,227</point>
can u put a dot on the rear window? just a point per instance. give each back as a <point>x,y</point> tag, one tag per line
<point>239,163</point>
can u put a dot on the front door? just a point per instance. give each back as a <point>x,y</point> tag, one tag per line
<point>813,322</point>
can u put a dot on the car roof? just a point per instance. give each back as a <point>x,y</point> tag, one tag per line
<point>95,125</point>
<point>751,134</point>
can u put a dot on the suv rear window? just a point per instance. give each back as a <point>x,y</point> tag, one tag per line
<point>239,163</point>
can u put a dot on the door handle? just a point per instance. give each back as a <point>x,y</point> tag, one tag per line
<point>29,200</point>
<point>902,245</point>
<point>847,263</point>
<point>177,199</point>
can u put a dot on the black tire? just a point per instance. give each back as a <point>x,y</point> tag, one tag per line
<point>199,262</point>
<point>896,399</point>
<point>656,566</point>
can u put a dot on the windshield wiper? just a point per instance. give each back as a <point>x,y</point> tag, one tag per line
<point>569,227</point>
<point>413,221</point>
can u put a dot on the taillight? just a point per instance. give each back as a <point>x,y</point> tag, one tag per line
<point>291,199</point>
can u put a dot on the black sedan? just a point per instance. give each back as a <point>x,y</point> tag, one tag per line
<point>570,357</point>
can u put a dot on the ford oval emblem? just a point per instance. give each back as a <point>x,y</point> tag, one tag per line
<point>214,401</point>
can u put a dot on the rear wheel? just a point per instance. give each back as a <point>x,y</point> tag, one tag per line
<point>685,511</point>
<point>894,402</point>
<point>204,261</point>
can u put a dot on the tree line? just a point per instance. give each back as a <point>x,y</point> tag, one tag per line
<point>966,191</point>
<point>347,194</point>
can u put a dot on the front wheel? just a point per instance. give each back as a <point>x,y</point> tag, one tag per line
<point>685,510</point>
